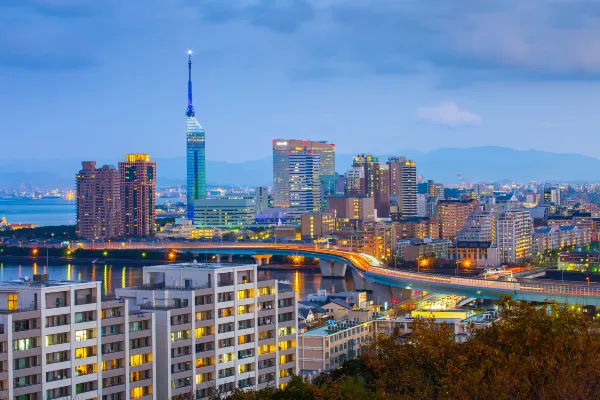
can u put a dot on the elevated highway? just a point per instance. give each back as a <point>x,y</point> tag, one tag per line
<point>367,271</point>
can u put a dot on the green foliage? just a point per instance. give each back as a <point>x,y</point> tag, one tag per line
<point>530,353</point>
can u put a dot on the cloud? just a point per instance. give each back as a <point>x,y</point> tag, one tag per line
<point>448,113</point>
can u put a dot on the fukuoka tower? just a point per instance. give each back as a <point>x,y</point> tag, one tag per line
<point>195,152</point>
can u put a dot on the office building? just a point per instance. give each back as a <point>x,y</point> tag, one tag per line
<point>352,207</point>
<point>60,341</point>
<point>452,215</point>
<point>224,213</point>
<point>369,165</point>
<point>305,181</point>
<point>422,205</point>
<point>435,189</point>
<point>480,227</point>
<point>354,181</point>
<point>261,198</point>
<point>217,328</point>
<point>195,151</point>
<point>316,225</point>
<point>98,202</point>
<point>138,191</point>
<point>514,236</point>
<point>283,149</point>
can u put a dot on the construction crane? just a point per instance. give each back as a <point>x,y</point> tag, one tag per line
<point>463,180</point>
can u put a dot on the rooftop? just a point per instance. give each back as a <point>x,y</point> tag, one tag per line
<point>198,265</point>
<point>20,283</point>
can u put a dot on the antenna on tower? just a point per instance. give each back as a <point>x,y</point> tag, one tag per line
<point>190,108</point>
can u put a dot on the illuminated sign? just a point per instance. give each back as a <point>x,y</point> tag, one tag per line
<point>281,143</point>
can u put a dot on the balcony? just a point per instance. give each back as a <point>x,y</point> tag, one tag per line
<point>81,301</point>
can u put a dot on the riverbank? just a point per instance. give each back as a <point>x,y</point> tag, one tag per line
<point>133,262</point>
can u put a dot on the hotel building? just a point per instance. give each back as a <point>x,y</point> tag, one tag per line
<point>59,341</point>
<point>217,328</point>
<point>138,191</point>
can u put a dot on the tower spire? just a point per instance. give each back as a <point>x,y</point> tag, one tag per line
<point>190,107</point>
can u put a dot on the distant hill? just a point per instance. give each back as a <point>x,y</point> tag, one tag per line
<point>476,164</point>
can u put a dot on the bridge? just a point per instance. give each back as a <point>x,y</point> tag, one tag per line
<point>367,272</point>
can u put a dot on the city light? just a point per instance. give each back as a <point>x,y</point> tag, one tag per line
<point>35,252</point>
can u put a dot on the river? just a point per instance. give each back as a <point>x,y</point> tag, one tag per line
<point>122,275</point>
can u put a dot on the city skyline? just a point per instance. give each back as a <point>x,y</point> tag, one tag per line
<point>500,89</point>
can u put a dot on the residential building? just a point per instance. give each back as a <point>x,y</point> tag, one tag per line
<point>283,150</point>
<point>480,227</point>
<point>370,166</point>
<point>98,202</point>
<point>328,347</point>
<point>59,340</point>
<point>195,151</point>
<point>558,237</point>
<point>452,215</point>
<point>217,328</point>
<point>224,213</point>
<point>514,236</point>
<point>378,239</point>
<point>579,260</point>
<point>422,205</point>
<point>403,184</point>
<point>138,191</point>
<point>416,227</point>
<point>479,254</point>
<point>416,249</point>
<point>354,181</point>
<point>316,225</point>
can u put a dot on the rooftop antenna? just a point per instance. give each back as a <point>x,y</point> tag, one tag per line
<point>190,108</point>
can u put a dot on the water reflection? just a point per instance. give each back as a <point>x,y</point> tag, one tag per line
<point>302,281</point>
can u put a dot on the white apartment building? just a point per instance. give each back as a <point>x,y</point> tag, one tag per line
<point>217,328</point>
<point>514,236</point>
<point>59,341</point>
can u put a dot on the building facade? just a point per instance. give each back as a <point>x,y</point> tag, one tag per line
<point>224,213</point>
<point>195,151</point>
<point>261,198</point>
<point>98,202</point>
<point>283,149</point>
<point>352,207</point>
<point>316,225</point>
<point>452,216</point>
<point>514,236</point>
<point>474,254</point>
<point>305,181</point>
<point>60,341</point>
<point>137,193</point>
<point>217,328</point>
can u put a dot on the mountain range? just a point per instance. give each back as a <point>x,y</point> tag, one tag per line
<point>475,164</point>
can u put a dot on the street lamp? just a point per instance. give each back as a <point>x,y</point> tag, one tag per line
<point>587,278</point>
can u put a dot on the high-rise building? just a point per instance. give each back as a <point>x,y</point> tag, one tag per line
<point>514,236</point>
<point>352,207</point>
<point>402,179</point>
<point>61,341</point>
<point>452,215</point>
<point>304,181</point>
<point>370,165</point>
<point>138,191</point>
<point>261,198</point>
<point>354,181</point>
<point>195,151</point>
<point>283,149</point>
<point>218,328</point>
<point>316,225</point>
<point>224,213</point>
<point>97,201</point>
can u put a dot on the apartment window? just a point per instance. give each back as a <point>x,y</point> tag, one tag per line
<point>224,328</point>
<point>227,296</point>
<point>225,312</point>
<point>285,317</point>
<point>227,357</point>
<point>110,330</point>
<point>201,300</point>
<point>266,291</point>
<point>245,353</point>
<point>266,349</point>
<point>204,362</point>
<point>85,352</point>
<point>85,369</point>
<point>225,279</point>
<point>287,358</point>
<point>138,392</point>
<point>228,342</point>
<point>139,375</point>
<point>246,324</point>
<point>226,372</point>
<point>180,367</point>
<point>203,315</point>
<point>264,335</point>
<point>179,383</point>
<point>179,335</point>
<point>25,325</point>
<point>86,316</point>
<point>58,375</point>
<point>139,326</point>
<point>25,344</point>
<point>245,368</point>
<point>112,364</point>
<point>287,344</point>
<point>206,377</point>
<point>140,359</point>
<point>113,381</point>
<point>245,294</point>
<point>56,357</point>
<point>57,320</point>
<point>290,330</point>
<point>204,331</point>
<point>27,380</point>
<point>246,309</point>
<point>286,302</point>
<point>13,302</point>
<point>265,321</point>
<point>26,362</point>
<point>111,312</point>
<point>245,339</point>
<point>85,387</point>
<point>201,347</point>
<point>84,334</point>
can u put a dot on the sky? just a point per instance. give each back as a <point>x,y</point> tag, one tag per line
<point>97,79</point>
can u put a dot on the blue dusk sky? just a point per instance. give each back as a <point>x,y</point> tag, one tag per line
<point>97,79</point>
